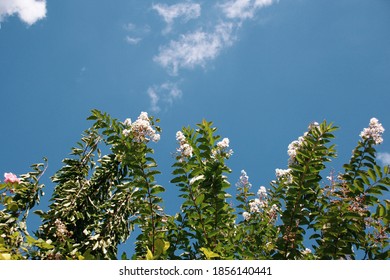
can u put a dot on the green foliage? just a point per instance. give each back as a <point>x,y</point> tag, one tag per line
<point>17,200</point>
<point>107,188</point>
<point>206,218</point>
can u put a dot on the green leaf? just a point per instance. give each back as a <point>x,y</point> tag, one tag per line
<point>31,240</point>
<point>124,256</point>
<point>199,199</point>
<point>13,207</point>
<point>372,174</point>
<point>381,210</point>
<point>179,179</point>
<point>157,189</point>
<point>208,253</point>
<point>149,254</point>
<point>161,247</point>
<point>364,178</point>
<point>5,256</point>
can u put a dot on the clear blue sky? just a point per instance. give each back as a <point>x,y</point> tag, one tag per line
<point>261,70</point>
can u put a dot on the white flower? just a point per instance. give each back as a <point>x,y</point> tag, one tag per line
<point>282,172</point>
<point>61,230</point>
<point>142,129</point>
<point>313,125</point>
<point>144,116</point>
<point>223,144</point>
<point>257,204</point>
<point>180,136</point>
<point>243,181</point>
<point>274,208</point>
<point>306,251</point>
<point>184,149</point>
<point>293,147</point>
<point>127,122</point>
<point>156,137</point>
<point>126,132</point>
<point>374,131</point>
<point>246,216</point>
<point>222,149</point>
<point>262,192</point>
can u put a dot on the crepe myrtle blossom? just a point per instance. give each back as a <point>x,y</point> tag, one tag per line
<point>141,129</point>
<point>374,131</point>
<point>262,192</point>
<point>222,148</point>
<point>314,125</point>
<point>306,251</point>
<point>284,174</point>
<point>61,230</point>
<point>293,147</point>
<point>127,122</point>
<point>11,178</point>
<point>259,203</point>
<point>224,143</point>
<point>184,149</point>
<point>246,216</point>
<point>274,209</point>
<point>243,181</point>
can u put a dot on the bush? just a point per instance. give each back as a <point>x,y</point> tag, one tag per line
<point>99,199</point>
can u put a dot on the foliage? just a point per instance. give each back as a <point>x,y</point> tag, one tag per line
<point>107,188</point>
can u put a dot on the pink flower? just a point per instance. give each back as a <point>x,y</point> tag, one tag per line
<point>11,178</point>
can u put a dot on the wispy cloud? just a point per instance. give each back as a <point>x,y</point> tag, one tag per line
<point>165,93</point>
<point>186,11</point>
<point>198,47</point>
<point>132,40</point>
<point>135,33</point>
<point>384,158</point>
<point>28,11</point>
<point>195,48</point>
<point>243,9</point>
<point>129,26</point>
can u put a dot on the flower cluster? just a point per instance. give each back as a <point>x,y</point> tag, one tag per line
<point>11,178</point>
<point>313,125</point>
<point>184,149</point>
<point>222,148</point>
<point>260,204</point>
<point>306,251</point>
<point>61,230</point>
<point>141,129</point>
<point>284,174</point>
<point>293,147</point>
<point>374,131</point>
<point>243,182</point>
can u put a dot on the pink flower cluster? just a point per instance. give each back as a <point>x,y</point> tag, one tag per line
<point>374,131</point>
<point>11,178</point>
<point>141,129</point>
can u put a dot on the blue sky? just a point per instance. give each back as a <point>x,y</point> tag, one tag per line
<point>261,70</point>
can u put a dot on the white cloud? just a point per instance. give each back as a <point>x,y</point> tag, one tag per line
<point>166,93</point>
<point>243,9</point>
<point>384,158</point>
<point>196,48</point>
<point>129,26</point>
<point>136,33</point>
<point>186,10</point>
<point>28,11</point>
<point>133,40</point>
<point>238,9</point>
